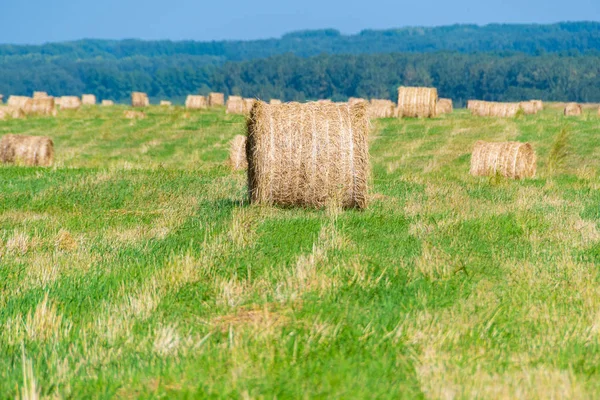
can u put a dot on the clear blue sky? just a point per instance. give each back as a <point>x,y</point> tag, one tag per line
<point>39,21</point>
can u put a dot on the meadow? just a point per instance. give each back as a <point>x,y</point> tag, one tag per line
<point>135,267</point>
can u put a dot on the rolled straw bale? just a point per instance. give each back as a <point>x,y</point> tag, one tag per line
<point>88,100</point>
<point>528,107</point>
<point>216,99</point>
<point>40,106</point>
<point>18,101</point>
<point>70,103</point>
<point>108,103</point>
<point>308,154</point>
<point>275,101</point>
<point>130,114</point>
<point>356,100</point>
<point>573,110</point>
<point>237,153</point>
<point>510,159</point>
<point>11,112</point>
<point>493,109</point>
<point>539,104</point>
<point>379,108</point>
<point>165,103</point>
<point>444,106</point>
<point>235,105</point>
<point>195,102</point>
<point>248,104</point>
<point>26,150</point>
<point>139,99</point>
<point>417,102</point>
<point>39,95</point>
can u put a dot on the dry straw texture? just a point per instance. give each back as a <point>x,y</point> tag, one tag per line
<point>108,103</point>
<point>88,100</point>
<point>139,99</point>
<point>27,150</point>
<point>18,101</point>
<point>324,101</point>
<point>235,105</point>
<point>40,106</point>
<point>11,112</point>
<point>382,109</point>
<point>308,154</point>
<point>195,102</point>
<point>493,109</point>
<point>39,95</point>
<point>510,159</point>
<point>444,106</point>
<point>529,107</point>
<point>539,105</point>
<point>70,103</point>
<point>248,104</point>
<point>573,110</point>
<point>216,99</point>
<point>237,153</point>
<point>130,114</point>
<point>417,102</point>
<point>275,102</point>
<point>165,103</point>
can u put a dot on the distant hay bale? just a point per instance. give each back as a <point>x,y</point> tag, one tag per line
<point>573,110</point>
<point>40,106</point>
<point>108,103</point>
<point>88,100</point>
<point>27,150</point>
<point>130,114</point>
<point>509,159</point>
<point>444,106</point>
<point>195,102</point>
<point>216,99</point>
<point>18,101</point>
<point>528,107</point>
<point>165,103</point>
<point>539,104</point>
<point>70,103</point>
<point>356,100</point>
<point>493,109</point>
<point>40,95</point>
<point>379,108</point>
<point>139,99</point>
<point>235,105</point>
<point>248,104</point>
<point>417,102</point>
<point>11,112</point>
<point>275,101</point>
<point>308,154</point>
<point>237,153</point>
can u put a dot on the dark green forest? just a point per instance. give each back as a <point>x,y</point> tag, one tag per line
<point>495,62</point>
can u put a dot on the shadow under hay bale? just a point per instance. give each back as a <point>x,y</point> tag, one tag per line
<point>510,159</point>
<point>11,112</point>
<point>237,153</point>
<point>88,100</point>
<point>195,102</point>
<point>235,105</point>
<point>27,150</point>
<point>573,110</point>
<point>308,154</point>
<point>417,102</point>
<point>70,103</point>
<point>444,106</point>
<point>382,108</point>
<point>139,99</point>
<point>216,99</point>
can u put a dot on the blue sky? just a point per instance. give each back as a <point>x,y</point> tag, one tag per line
<point>39,21</point>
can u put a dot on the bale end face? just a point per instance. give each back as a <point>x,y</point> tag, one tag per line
<point>510,159</point>
<point>417,102</point>
<point>27,150</point>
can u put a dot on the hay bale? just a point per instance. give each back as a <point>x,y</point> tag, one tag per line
<point>493,109</point>
<point>539,104</point>
<point>195,102</point>
<point>510,159</point>
<point>130,114</point>
<point>88,100</point>
<point>528,107</point>
<point>139,99</point>
<point>165,103</point>
<point>308,154</point>
<point>237,153</point>
<point>235,105</point>
<point>11,112</point>
<point>275,102</point>
<point>417,102</point>
<point>379,108</point>
<point>40,95</point>
<point>40,106</point>
<point>26,150</point>
<point>444,106</point>
<point>573,110</point>
<point>324,101</point>
<point>108,103</point>
<point>216,99</point>
<point>70,103</point>
<point>248,104</point>
<point>356,100</point>
<point>18,101</point>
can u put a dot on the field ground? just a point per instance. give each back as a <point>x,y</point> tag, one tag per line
<point>136,268</point>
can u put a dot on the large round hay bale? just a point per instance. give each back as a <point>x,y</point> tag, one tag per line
<point>237,153</point>
<point>510,159</point>
<point>26,150</point>
<point>379,108</point>
<point>539,104</point>
<point>39,95</point>
<point>107,103</point>
<point>356,100</point>
<point>528,107</point>
<point>165,103</point>
<point>40,106</point>
<point>139,99</point>
<point>573,110</point>
<point>493,109</point>
<point>11,112</point>
<point>70,103</point>
<point>195,102</point>
<point>235,105</point>
<point>308,154</point>
<point>88,100</point>
<point>216,99</point>
<point>417,102</point>
<point>444,106</point>
<point>18,101</point>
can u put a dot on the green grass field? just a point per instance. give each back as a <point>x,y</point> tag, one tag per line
<point>135,267</point>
